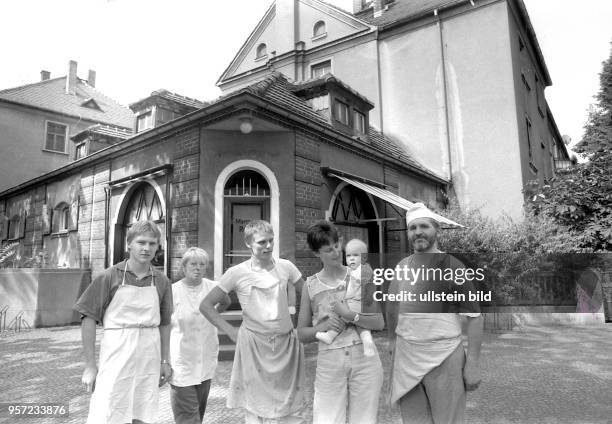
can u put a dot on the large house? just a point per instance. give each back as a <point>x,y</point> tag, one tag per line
<point>458,83</point>
<point>37,121</point>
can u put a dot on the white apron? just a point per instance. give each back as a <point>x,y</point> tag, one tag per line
<point>422,343</point>
<point>128,375</point>
<point>268,376</point>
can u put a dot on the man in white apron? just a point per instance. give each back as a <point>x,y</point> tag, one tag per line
<point>430,371</point>
<point>134,303</point>
<point>268,377</point>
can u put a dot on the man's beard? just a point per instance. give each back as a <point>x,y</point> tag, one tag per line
<point>422,243</point>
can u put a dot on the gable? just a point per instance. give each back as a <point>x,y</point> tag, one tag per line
<point>91,104</point>
<point>284,25</point>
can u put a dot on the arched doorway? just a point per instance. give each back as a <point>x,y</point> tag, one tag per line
<point>222,211</point>
<point>141,203</point>
<point>353,213</point>
<point>246,196</point>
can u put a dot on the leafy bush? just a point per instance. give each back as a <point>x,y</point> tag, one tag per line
<point>514,253</point>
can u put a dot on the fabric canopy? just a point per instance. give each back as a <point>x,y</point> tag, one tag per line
<point>392,198</point>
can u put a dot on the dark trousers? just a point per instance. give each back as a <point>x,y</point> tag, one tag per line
<point>440,397</point>
<point>189,403</point>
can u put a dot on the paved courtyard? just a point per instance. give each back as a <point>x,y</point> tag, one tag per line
<point>538,375</point>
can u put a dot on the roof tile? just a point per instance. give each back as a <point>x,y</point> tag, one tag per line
<point>50,94</point>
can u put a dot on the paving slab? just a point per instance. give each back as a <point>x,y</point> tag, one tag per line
<point>539,375</point>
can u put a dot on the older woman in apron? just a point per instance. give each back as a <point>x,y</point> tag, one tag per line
<point>268,372</point>
<point>134,303</point>
<point>194,345</point>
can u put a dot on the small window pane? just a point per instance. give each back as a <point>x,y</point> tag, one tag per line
<point>261,51</point>
<point>56,137</point>
<point>319,29</point>
<point>321,69</point>
<point>359,123</point>
<point>145,121</point>
<point>342,112</point>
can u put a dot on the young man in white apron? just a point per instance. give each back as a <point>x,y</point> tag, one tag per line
<point>268,375</point>
<point>134,303</point>
<point>430,370</point>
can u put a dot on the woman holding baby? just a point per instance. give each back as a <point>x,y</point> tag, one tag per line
<point>347,376</point>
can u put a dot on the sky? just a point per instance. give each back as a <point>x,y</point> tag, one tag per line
<point>138,46</point>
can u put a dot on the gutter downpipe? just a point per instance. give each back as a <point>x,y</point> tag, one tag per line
<point>380,98</point>
<point>446,111</point>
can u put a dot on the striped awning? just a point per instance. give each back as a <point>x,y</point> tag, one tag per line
<point>392,198</point>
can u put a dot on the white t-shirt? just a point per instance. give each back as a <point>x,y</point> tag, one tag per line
<point>194,345</point>
<point>241,278</point>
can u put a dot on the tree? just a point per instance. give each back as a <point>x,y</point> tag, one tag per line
<point>597,137</point>
<point>580,198</point>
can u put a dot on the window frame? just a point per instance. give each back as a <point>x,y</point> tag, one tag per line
<point>258,51</point>
<point>320,65</point>
<point>340,106</point>
<point>46,145</point>
<point>16,227</point>
<point>359,117</point>
<point>149,114</point>
<point>317,34</point>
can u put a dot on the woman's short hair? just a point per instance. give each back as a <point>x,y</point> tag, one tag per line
<point>321,233</point>
<point>194,253</point>
<point>256,226</point>
<point>143,227</point>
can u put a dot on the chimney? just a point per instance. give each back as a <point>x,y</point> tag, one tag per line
<point>378,7</point>
<point>71,78</point>
<point>357,5</point>
<point>45,75</point>
<point>91,78</point>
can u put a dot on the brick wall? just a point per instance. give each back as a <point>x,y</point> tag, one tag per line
<point>184,198</point>
<point>392,237</point>
<point>308,209</point>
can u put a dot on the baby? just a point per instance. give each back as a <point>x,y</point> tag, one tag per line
<point>361,274</point>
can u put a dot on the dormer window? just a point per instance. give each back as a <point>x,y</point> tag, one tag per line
<point>319,30</point>
<point>91,104</point>
<point>261,51</point>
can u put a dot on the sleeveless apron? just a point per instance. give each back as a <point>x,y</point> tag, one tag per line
<point>268,375</point>
<point>130,355</point>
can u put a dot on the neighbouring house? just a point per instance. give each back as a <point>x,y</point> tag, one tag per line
<point>38,120</point>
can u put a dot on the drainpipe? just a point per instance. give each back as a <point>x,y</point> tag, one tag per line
<point>91,216</point>
<point>446,111</point>
<point>379,75</point>
<point>107,196</point>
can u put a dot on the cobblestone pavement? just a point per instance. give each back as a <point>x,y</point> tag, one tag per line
<point>539,375</point>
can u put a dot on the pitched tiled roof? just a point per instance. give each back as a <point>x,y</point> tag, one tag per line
<point>165,94</point>
<point>328,77</point>
<point>278,90</point>
<point>393,148</point>
<point>116,132</point>
<point>399,10</point>
<point>51,95</point>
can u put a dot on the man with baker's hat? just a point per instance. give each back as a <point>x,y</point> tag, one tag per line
<point>431,371</point>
